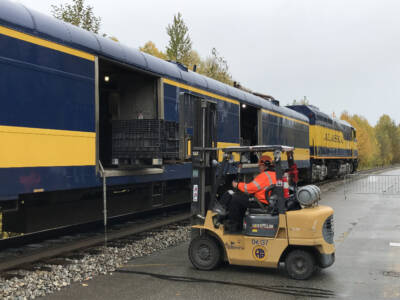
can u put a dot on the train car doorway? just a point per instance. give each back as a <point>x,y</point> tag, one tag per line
<point>124,95</point>
<point>248,125</point>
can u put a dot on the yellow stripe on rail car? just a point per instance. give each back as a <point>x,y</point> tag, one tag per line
<point>35,147</point>
<point>284,117</point>
<point>42,42</point>
<point>199,91</point>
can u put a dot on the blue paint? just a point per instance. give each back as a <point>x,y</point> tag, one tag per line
<point>25,180</point>
<point>333,152</point>
<point>228,122</point>
<point>41,97</point>
<point>171,104</point>
<point>281,131</point>
<point>22,51</point>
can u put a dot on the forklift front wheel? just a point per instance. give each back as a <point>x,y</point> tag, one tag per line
<point>204,253</point>
<point>300,264</point>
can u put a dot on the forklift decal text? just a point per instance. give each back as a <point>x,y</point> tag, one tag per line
<point>234,246</point>
<point>259,242</point>
<point>263,226</point>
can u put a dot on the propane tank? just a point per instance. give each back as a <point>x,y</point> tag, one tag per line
<point>309,195</point>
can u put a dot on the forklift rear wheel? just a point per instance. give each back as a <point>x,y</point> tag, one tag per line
<point>204,253</point>
<point>300,264</point>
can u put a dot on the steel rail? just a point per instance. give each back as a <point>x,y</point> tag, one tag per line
<point>56,250</point>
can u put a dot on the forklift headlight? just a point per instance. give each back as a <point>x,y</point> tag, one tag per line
<point>327,230</point>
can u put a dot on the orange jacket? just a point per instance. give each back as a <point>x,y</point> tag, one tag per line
<point>259,185</point>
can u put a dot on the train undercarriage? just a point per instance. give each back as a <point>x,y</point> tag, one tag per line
<point>322,169</point>
<point>41,211</point>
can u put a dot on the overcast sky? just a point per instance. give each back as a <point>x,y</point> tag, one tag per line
<point>340,54</point>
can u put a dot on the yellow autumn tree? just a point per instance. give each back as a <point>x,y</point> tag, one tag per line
<point>368,150</point>
<point>387,134</point>
<point>216,67</point>
<point>150,48</point>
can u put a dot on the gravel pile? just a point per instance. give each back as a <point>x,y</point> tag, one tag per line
<point>32,284</point>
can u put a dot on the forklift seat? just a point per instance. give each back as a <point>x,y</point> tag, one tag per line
<point>257,207</point>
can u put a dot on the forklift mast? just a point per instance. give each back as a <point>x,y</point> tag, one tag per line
<point>204,156</point>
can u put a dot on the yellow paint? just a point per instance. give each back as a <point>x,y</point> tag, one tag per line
<point>189,148</point>
<point>35,147</point>
<point>305,227</point>
<point>284,117</point>
<point>299,154</point>
<point>199,91</point>
<point>236,156</point>
<point>240,249</point>
<point>329,138</point>
<point>41,42</point>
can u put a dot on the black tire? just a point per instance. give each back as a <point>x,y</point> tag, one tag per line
<point>204,253</point>
<point>300,264</point>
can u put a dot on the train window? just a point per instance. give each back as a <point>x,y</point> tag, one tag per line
<point>248,125</point>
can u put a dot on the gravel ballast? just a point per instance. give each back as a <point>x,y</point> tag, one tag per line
<point>50,278</point>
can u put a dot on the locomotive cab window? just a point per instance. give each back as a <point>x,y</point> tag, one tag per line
<point>248,125</point>
<point>129,117</point>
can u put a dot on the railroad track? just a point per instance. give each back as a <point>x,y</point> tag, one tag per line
<point>13,258</point>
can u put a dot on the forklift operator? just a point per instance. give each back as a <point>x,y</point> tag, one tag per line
<point>240,202</point>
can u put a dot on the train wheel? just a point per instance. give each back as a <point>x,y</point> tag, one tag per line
<point>204,253</point>
<point>300,264</point>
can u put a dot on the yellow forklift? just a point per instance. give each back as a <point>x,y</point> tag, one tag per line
<point>293,229</point>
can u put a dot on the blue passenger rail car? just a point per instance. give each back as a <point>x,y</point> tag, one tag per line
<point>62,89</point>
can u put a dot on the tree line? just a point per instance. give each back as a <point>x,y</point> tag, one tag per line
<point>378,145</point>
<point>180,49</point>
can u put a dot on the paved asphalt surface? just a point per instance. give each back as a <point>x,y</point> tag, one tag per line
<point>367,265</point>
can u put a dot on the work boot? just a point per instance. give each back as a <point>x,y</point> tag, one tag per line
<point>216,221</point>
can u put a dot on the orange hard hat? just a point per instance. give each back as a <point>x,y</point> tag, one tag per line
<point>265,160</point>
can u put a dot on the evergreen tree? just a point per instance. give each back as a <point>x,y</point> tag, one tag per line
<point>78,15</point>
<point>180,45</point>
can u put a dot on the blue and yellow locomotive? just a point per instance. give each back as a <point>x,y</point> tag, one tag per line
<point>333,144</point>
<point>62,92</point>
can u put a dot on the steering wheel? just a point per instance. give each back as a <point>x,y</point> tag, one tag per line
<point>267,190</point>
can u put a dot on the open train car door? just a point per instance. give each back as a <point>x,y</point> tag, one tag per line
<point>124,94</point>
<point>250,120</point>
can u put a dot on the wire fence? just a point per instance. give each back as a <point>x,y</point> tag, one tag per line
<point>372,184</point>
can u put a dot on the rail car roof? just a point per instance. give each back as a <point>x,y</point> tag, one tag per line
<point>17,16</point>
<point>317,117</point>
